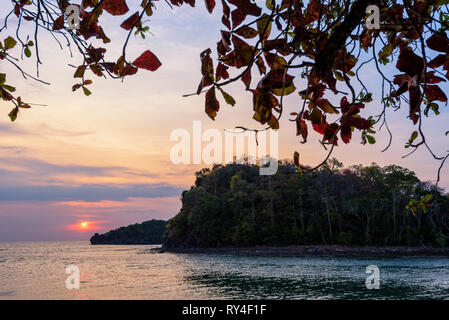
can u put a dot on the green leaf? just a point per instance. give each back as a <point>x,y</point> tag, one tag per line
<point>9,88</point>
<point>339,76</point>
<point>413,136</point>
<point>284,91</point>
<point>27,52</point>
<point>385,52</point>
<point>10,43</point>
<point>228,98</point>
<point>371,139</point>
<point>434,107</point>
<point>264,24</point>
<point>79,73</point>
<point>368,97</point>
<point>273,122</point>
<point>86,91</point>
<point>350,73</point>
<point>13,114</point>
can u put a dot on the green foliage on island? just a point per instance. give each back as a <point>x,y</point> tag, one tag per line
<point>147,232</point>
<point>232,205</point>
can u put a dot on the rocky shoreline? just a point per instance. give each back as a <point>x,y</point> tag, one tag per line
<point>314,250</point>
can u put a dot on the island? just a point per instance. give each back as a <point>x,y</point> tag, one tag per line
<point>359,210</point>
<point>147,232</point>
<point>333,211</point>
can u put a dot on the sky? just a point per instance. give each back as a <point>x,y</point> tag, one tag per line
<point>105,159</point>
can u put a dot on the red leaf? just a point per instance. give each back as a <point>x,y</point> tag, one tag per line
<point>5,95</point>
<point>409,62</point>
<point>432,78</point>
<point>226,14</point>
<point>207,70</point>
<point>401,78</point>
<point>350,109</point>
<point>147,61</point>
<point>435,93</point>
<point>301,129</point>
<point>131,22</point>
<point>95,54</point>
<point>89,27</point>
<point>438,42</point>
<point>346,133</point>
<point>360,123</point>
<point>210,5</point>
<point>314,9</point>
<point>403,88</point>
<point>221,72</point>
<point>438,61</point>
<point>237,17</point>
<point>59,23</point>
<point>279,45</point>
<point>212,104</point>
<point>275,79</point>
<point>246,78</point>
<point>17,10</point>
<point>319,128</point>
<point>128,70</point>
<point>415,99</point>
<point>88,3</point>
<point>244,8</point>
<point>115,7</point>
<point>242,54</point>
<point>330,133</point>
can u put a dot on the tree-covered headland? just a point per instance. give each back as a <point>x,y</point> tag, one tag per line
<point>147,232</point>
<point>232,205</point>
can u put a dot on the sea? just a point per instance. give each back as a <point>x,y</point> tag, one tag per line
<point>53,270</point>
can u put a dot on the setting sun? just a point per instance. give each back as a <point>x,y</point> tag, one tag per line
<point>84,225</point>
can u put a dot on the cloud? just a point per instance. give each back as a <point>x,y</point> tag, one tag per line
<point>87,193</point>
<point>30,179</point>
<point>18,168</point>
<point>44,221</point>
<point>42,129</point>
<point>9,128</point>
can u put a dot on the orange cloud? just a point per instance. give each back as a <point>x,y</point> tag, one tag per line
<point>97,204</point>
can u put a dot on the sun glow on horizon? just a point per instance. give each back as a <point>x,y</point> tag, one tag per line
<point>84,225</point>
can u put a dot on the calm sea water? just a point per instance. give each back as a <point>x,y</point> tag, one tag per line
<point>36,270</point>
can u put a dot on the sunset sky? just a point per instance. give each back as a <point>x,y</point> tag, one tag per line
<point>105,159</point>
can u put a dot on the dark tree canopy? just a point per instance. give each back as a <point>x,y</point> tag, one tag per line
<point>233,205</point>
<point>271,47</point>
<point>147,232</point>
